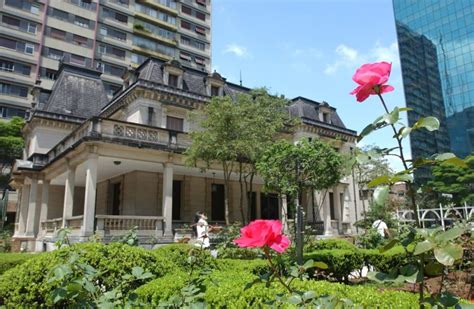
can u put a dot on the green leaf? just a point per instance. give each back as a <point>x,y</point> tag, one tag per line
<point>450,234</point>
<point>405,109</point>
<point>308,264</point>
<point>381,195</point>
<point>433,268</point>
<point>295,299</point>
<point>320,265</point>
<point>457,161</point>
<point>58,295</point>
<point>377,276</point>
<point>445,156</point>
<point>405,131</point>
<point>448,254</point>
<point>402,177</point>
<point>381,180</point>
<point>448,300</point>
<point>389,246</point>
<point>309,295</point>
<point>423,247</point>
<point>429,123</point>
<point>137,271</point>
<point>392,117</point>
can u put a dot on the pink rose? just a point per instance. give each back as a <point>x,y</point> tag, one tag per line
<point>260,233</point>
<point>371,78</point>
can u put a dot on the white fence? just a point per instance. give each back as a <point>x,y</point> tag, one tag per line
<point>442,216</point>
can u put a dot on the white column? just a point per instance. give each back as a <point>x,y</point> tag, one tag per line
<point>43,216</point>
<point>327,216</point>
<point>168,198</point>
<point>284,213</point>
<point>69,193</point>
<point>23,213</point>
<point>31,227</point>
<point>337,208</point>
<point>89,196</point>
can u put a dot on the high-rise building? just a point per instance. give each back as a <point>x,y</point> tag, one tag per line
<point>436,45</point>
<point>109,35</point>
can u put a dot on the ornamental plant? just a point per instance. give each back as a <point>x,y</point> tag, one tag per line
<point>267,235</point>
<point>371,79</point>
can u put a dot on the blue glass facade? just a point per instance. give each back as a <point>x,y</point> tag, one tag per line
<point>436,45</point>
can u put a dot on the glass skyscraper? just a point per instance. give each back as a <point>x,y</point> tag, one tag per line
<point>436,45</point>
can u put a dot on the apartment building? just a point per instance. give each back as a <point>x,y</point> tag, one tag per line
<point>109,35</point>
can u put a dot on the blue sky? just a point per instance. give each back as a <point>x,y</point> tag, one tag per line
<point>310,48</point>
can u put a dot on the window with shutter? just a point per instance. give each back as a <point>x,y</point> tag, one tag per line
<point>174,123</point>
<point>172,80</point>
<point>186,10</point>
<point>200,15</point>
<point>185,25</point>
<point>11,21</point>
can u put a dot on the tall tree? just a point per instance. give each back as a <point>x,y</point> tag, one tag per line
<point>11,146</point>
<point>234,133</point>
<point>454,179</point>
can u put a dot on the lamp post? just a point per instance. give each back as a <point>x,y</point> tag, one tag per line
<point>299,216</point>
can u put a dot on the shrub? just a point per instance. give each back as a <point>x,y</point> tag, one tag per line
<point>238,253</point>
<point>341,262</point>
<point>179,254</point>
<point>255,267</point>
<point>370,239</point>
<point>27,285</point>
<point>329,244</point>
<point>10,260</point>
<point>386,261</point>
<point>226,289</point>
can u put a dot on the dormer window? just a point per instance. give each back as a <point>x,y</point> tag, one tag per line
<point>327,117</point>
<point>214,90</point>
<point>173,80</point>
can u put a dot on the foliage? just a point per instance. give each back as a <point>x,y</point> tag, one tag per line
<point>5,239</point>
<point>28,284</point>
<point>319,166</point>
<point>385,261</point>
<point>11,260</point>
<point>328,244</point>
<point>370,164</point>
<point>454,179</point>
<point>377,211</point>
<point>131,237</point>
<point>226,288</point>
<point>370,239</point>
<point>241,128</point>
<point>341,262</point>
<point>227,249</point>
<point>429,252</point>
<point>11,145</point>
<point>180,255</point>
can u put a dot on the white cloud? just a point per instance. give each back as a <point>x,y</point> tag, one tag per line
<point>238,50</point>
<point>307,52</point>
<point>350,58</point>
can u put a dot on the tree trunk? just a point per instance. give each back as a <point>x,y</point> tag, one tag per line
<point>241,194</point>
<point>226,191</point>
<point>313,205</point>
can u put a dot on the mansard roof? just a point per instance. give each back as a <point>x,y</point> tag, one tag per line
<point>77,92</point>
<point>308,111</point>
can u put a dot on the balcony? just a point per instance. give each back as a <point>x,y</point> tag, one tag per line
<point>120,132</point>
<point>111,225</point>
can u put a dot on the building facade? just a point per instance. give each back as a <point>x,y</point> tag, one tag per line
<point>101,166</point>
<point>110,35</point>
<point>435,40</point>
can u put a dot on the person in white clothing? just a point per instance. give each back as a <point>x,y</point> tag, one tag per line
<point>381,228</point>
<point>201,229</point>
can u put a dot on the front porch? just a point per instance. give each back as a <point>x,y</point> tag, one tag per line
<point>107,178</point>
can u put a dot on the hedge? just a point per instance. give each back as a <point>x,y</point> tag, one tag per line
<point>386,261</point>
<point>341,262</point>
<point>329,244</point>
<point>226,289</point>
<point>179,254</point>
<point>27,284</point>
<point>10,260</point>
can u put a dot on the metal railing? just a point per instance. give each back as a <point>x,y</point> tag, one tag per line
<point>442,216</point>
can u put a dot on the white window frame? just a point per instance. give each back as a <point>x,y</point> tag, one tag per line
<point>29,46</point>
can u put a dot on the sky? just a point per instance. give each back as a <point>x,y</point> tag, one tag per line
<point>310,48</point>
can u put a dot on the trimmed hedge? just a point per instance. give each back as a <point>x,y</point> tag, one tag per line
<point>226,289</point>
<point>10,260</point>
<point>27,284</point>
<point>384,262</point>
<point>341,262</point>
<point>329,244</point>
<point>179,254</point>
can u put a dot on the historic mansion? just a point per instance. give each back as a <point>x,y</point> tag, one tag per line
<point>102,166</point>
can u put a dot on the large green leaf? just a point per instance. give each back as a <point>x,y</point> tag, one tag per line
<point>450,234</point>
<point>382,180</point>
<point>381,195</point>
<point>429,123</point>
<point>405,131</point>
<point>392,117</point>
<point>448,254</point>
<point>457,161</point>
<point>423,247</point>
<point>445,156</point>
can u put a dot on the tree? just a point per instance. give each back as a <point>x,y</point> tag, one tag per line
<point>370,164</point>
<point>290,169</point>
<point>454,179</point>
<point>11,146</point>
<point>234,133</point>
